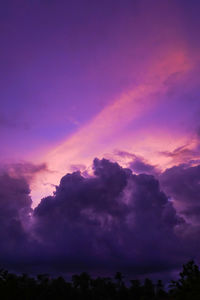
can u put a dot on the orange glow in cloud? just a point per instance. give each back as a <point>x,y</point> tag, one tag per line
<point>104,132</point>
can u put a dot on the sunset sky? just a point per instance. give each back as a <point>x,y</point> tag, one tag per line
<point>115,80</point>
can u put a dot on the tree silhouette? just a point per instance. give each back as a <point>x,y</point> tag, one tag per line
<point>159,290</point>
<point>187,287</point>
<point>135,289</point>
<point>119,278</point>
<point>148,290</point>
<point>83,287</point>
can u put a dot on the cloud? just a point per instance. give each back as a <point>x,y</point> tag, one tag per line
<point>24,169</point>
<point>188,153</point>
<point>181,154</point>
<point>15,207</point>
<point>111,220</point>
<point>136,163</point>
<point>139,165</point>
<point>182,183</point>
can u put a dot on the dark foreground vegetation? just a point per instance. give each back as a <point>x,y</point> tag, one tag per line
<point>82,286</point>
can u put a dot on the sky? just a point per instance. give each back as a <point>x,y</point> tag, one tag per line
<point>100,135</point>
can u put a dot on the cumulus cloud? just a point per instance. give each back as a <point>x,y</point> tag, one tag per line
<point>15,207</point>
<point>113,220</point>
<point>182,183</point>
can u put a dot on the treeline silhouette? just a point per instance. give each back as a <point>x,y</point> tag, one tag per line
<point>24,287</point>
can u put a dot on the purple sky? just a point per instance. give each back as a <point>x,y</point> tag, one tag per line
<point>110,79</point>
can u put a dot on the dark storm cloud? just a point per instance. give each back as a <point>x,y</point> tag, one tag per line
<point>182,182</point>
<point>17,243</point>
<point>113,220</point>
<point>15,207</point>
